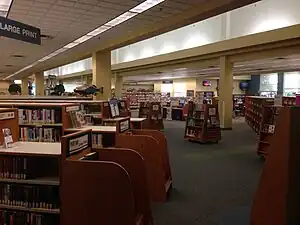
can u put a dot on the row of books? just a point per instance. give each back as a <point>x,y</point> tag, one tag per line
<point>97,140</point>
<point>25,218</point>
<point>195,123</point>
<point>44,197</point>
<point>195,133</point>
<point>39,116</point>
<point>14,168</point>
<point>40,134</point>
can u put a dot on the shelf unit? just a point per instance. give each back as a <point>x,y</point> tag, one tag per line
<point>204,97</point>
<point>202,123</point>
<point>239,104</point>
<point>253,112</point>
<point>267,128</point>
<point>42,122</point>
<point>288,101</point>
<point>30,183</point>
<point>153,112</point>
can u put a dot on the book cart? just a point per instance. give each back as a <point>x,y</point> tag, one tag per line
<point>202,124</point>
<point>277,197</point>
<point>42,122</point>
<point>150,144</point>
<point>253,110</point>
<point>109,184</point>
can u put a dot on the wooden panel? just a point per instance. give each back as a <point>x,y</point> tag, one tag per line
<point>147,146</point>
<point>277,197</point>
<point>96,193</point>
<point>134,164</point>
<point>13,124</point>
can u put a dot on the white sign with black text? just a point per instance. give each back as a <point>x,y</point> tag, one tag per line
<point>78,143</point>
<point>7,115</point>
<point>124,125</point>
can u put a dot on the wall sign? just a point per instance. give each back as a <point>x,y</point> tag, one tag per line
<point>19,31</point>
<point>7,115</point>
<point>79,143</point>
<point>167,82</point>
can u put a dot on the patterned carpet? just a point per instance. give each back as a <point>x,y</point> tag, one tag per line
<point>209,181</point>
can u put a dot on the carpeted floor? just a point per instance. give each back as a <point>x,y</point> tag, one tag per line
<point>209,180</point>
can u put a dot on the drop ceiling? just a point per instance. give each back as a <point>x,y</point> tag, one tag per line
<point>63,21</point>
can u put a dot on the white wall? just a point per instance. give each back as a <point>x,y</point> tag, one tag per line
<point>254,18</point>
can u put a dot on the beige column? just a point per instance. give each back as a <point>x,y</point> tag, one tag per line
<point>119,86</point>
<point>24,86</point>
<point>102,73</point>
<point>225,93</point>
<point>39,84</point>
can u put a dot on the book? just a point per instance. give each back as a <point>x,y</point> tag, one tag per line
<point>8,139</point>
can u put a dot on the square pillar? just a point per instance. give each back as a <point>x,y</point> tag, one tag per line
<point>118,86</point>
<point>102,73</point>
<point>39,84</point>
<point>24,86</point>
<point>225,93</point>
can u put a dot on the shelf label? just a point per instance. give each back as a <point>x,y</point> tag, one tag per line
<point>124,125</point>
<point>72,108</point>
<point>78,143</point>
<point>7,115</point>
<point>19,31</point>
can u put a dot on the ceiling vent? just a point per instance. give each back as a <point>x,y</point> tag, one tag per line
<point>46,37</point>
<point>17,56</point>
<point>281,58</point>
<point>8,65</point>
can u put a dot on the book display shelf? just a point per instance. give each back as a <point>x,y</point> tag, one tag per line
<point>267,128</point>
<point>115,190</point>
<point>277,198</point>
<point>136,97</point>
<point>205,97</point>
<point>42,122</point>
<point>202,124</point>
<point>239,105</point>
<point>153,112</point>
<point>253,110</point>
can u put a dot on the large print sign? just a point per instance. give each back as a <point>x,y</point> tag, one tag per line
<point>19,31</point>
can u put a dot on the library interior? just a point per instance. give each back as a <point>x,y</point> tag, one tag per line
<point>185,107</point>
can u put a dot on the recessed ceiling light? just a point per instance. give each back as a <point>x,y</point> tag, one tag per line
<point>71,45</point>
<point>120,19</point>
<point>83,38</point>
<point>99,30</point>
<point>145,6</point>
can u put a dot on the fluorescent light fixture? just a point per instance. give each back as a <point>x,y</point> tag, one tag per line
<point>83,39</point>
<point>145,6</point>
<point>99,30</point>
<point>4,7</point>
<point>71,45</point>
<point>120,19</point>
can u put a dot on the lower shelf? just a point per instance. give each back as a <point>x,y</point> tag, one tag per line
<point>25,209</point>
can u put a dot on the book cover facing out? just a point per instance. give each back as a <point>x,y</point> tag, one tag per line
<point>8,140</point>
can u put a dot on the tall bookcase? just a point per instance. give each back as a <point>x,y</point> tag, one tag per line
<point>202,123</point>
<point>42,122</point>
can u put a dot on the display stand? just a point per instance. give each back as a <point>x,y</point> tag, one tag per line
<point>153,148</point>
<point>106,191</point>
<point>203,123</point>
<point>277,198</point>
<point>153,112</point>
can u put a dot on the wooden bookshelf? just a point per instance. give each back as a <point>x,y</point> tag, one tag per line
<point>30,183</point>
<point>277,196</point>
<point>42,122</point>
<point>202,123</point>
<point>288,101</point>
<point>267,128</point>
<point>253,110</point>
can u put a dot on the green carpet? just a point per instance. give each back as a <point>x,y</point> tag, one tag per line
<point>209,180</point>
